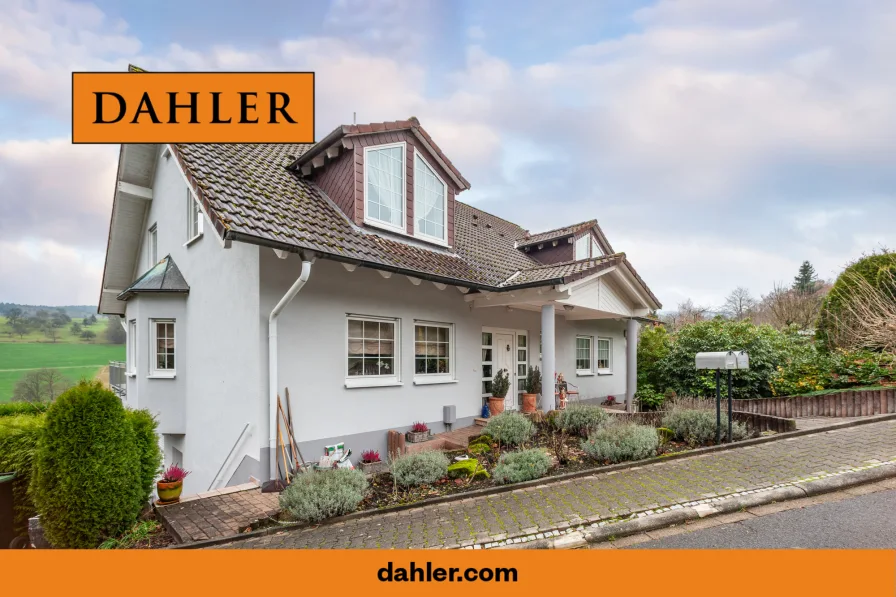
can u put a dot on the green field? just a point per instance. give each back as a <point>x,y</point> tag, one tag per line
<point>73,360</point>
<point>65,334</point>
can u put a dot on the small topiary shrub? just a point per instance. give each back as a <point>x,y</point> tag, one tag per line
<point>510,428</point>
<point>622,442</point>
<point>18,442</point>
<point>147,440</point>
<point>313,497</point>
<point>86,480</point>
<point>697,427</point>
<point>581,419</point>
<point>525,465</point>
<point>422,468</point>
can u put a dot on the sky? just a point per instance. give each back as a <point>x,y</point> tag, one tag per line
<point>718,143</point>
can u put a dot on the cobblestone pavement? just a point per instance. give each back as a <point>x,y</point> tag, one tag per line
<point>605,495</point>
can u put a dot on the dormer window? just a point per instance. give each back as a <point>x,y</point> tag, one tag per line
<point>430,202</point>
<point>582,246</point>
<point>595,249</point>
<point>384,184</point>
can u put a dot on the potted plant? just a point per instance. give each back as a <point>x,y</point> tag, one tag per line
<point>531,390</point>
<point>500,387</point>
<point>371,463</point>
<point>419,433</point>
<point>171,484</point>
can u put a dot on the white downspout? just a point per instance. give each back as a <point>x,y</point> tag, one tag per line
<point>273,362</point>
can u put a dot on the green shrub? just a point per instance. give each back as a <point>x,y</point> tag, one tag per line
<point>510,428</point>
<point>11,409</point>
<point>483,438</point>
<point>18,442</point>
<point>480,448</point>
<point>86,480</point>
<point>145,425</point>
<point>581,419</point>
<point>422,468</point>
<point>470,468</point>
<point>697,427</point>
<point>313,497</point>
<point>622,442</point>
<point>648,398</point>
<point>525,465</point>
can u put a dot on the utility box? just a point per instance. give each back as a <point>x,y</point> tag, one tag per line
<point>723,360</point>
<point>449,414</point>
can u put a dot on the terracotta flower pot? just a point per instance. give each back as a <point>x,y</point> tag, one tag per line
<point>495,405</point>
<point>529,402</point>
<point>169,492</point>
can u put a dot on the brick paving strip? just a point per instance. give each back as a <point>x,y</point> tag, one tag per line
<point>532,514</point>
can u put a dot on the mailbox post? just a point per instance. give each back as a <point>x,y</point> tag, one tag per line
<point>718,361</point>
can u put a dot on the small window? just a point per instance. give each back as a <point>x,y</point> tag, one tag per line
<point>430,201</point>
<point>595,249</point>
<point>152,245</point>
<point>194,217</point>
<point>432,349</point>
<point>604,355</point>
<point>163,347</point>
<point>582,247</point>
<point>132,347</point>
<point>384,187</point>
<point>372,348</point>
<point>583,354</point>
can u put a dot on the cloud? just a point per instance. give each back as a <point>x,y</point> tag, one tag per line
<point>46,272</point>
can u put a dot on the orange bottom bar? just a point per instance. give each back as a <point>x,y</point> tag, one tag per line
<point>547,573</point>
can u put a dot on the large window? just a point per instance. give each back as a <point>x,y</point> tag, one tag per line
<point>582,247</point>
<point>132,347</point>
<point>152,245</point>
<point>430,201</point>
<point>372,349</point>
<point>163,347</point>
<point>432,349</point>
<point>194,217</point>
<point>384,186</point>
<point>604,355</point>
<point>583,355</point>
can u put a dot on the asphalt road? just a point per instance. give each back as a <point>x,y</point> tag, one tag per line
<point>867,521</point>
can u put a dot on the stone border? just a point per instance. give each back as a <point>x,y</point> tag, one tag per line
<point>651,520</point>
<point>290,526</point>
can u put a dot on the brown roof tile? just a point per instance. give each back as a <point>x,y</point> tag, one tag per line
<point>527,239</point>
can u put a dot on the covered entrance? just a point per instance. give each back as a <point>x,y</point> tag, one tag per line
<point>505,349</point>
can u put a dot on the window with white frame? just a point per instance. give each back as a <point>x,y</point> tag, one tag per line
<point>132,347</point>
<point>432,349</point>
<point>152,245</point>
<point>372,348</point>
<point>487,365</point>
<point>582,247</point>
<point>595,249</point>
<point>194,217</point>
<point>604,355</point>
<point>583,354</point>
<point>163,347</point>
<point>522,364</point>
<point>430,201</point>
<point>384,186</point>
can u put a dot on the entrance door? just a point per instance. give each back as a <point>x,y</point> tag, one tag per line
<point>505,358</point>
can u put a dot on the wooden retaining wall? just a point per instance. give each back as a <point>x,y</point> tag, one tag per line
<point>848,403</point>
<point>755,422</point>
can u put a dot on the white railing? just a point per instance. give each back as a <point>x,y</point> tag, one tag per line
<point>118,380</point>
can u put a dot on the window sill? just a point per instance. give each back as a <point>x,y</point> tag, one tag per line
<point>385,226</point>
<point>584,373</point>
<point>131,374</point>
<point>605,372</point>
<point>372,383</point>
<point>431,381</point>
<point>193,240</point>
<point>161,376</point>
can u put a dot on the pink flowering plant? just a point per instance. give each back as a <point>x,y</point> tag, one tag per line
<point>173,474</point>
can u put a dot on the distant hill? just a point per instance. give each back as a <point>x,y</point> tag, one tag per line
<point>70,310</point>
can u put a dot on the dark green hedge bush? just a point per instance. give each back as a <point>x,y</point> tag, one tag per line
<point>18,442</point>
<point>87,482</point>
<point>145,425</point>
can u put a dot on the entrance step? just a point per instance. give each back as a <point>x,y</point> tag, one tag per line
<point>480,421</point>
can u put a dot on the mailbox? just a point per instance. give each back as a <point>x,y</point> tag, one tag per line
<point>723,360</point>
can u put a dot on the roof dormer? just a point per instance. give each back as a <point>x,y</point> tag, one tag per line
<point>570,243</point>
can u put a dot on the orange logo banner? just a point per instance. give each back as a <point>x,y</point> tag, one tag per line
<point>160,107</point>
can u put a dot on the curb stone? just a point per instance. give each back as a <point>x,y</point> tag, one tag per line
<point>639,523</point>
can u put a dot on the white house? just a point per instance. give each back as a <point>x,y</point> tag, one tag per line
<point>347,272</point>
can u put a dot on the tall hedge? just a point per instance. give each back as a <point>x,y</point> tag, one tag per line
<point>872,269</point>
<point>145,425</point>
<point>18,442</point>
<point>87,483</point>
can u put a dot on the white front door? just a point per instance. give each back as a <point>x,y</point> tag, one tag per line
<point>505,358</point>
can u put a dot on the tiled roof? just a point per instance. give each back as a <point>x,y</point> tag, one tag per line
<point>164,276</point>
<point>526,240</point>
<point>565,272</point>
<point>251,196</point>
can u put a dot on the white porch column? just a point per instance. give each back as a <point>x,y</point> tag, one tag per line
<point>631,362</point>
<point>548,343</point>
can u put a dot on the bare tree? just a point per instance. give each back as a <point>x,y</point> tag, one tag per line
<point>740,304</point>
<point>867,319</point>
<point>686,314</point>
<point>785,306</point>
<point>42,385</point>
